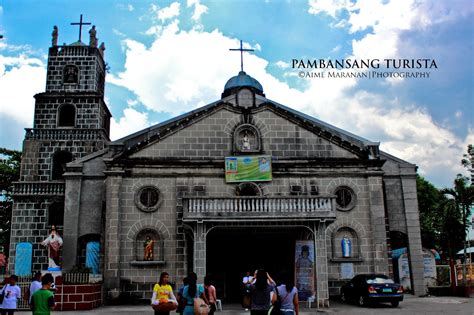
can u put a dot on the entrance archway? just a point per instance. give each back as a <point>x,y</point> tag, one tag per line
<point>233,251</point>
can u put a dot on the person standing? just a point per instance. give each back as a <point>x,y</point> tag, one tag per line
<point>191,291</point>
<point>35,285</point>
<point>163,293</point>
<point>261,293</point>
<point>42,300</point>
<point>12,295</point>
<point>247,282</point>
<point>211,296</point>
<point>180,298</point>
<point>288,294</point>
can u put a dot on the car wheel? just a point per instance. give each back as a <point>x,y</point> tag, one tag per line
<point>395,303</point>
<point>343,297</point>
<point>362,301</point>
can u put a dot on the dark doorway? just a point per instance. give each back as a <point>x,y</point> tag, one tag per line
<point>232,252</point>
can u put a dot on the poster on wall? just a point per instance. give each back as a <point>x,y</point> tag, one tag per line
<point>304,269</point>
<point>248,168</point>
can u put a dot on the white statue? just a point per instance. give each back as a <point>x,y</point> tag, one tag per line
<point>54,243</point>
<point>245,142</point>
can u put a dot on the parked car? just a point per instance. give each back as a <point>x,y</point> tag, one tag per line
<point>372,288</point>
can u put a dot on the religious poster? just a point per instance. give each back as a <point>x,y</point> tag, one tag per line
<point>304,269</point>
<point>248,168</point>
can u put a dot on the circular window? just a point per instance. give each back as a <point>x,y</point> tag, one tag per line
<point>148,199</point>
<point>345,198</point>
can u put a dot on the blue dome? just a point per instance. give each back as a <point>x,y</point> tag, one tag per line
<point>243,80</point>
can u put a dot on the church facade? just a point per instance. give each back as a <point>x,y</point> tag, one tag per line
<point>239,184</point>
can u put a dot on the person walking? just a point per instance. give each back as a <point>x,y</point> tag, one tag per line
<point>211,296</point>
<point>12,293</point>
<point>42,300</point>
<point>180,298</point>
<point>163,293</point>
<point>262,293</point>
<point>35,285</point>
<point>288,294</point>
<point>192,291</point>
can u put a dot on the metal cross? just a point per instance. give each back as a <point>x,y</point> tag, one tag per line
<point>241,55</point>
<point>80,26</point>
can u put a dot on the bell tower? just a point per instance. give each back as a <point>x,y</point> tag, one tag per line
<point>71,120</point>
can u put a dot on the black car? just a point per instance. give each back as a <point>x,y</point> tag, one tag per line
<point>372,288</point>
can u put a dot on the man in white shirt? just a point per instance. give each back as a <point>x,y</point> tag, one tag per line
<point>35,284</point>
<point>247,282</point>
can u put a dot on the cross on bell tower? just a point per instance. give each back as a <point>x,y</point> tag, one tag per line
<point>80,23</point>
<point>241,49</point>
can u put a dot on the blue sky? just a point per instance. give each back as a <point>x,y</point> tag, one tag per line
<point>168,57</point>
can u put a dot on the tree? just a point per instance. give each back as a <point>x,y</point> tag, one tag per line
<point>430,200</point>
<point>10,161</point>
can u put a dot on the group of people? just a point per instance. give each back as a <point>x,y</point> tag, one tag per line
<point>261,292</point>
<point>40,294</point>
<point>184,302</point>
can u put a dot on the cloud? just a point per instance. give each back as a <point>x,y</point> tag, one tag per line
<point>329,7</point>
<point>27,73</point>
<point>131,122</point>
<point>282,64</point>
<point>199,9</point>
<point>166,13</point>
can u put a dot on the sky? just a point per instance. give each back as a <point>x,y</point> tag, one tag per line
<point>169,57</point>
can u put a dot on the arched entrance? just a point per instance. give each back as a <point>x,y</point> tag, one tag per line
<point>232,251</point>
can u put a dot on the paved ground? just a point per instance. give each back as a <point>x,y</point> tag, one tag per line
<point>410,305</point>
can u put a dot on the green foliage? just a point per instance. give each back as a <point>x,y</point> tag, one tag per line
<point>10,161</point>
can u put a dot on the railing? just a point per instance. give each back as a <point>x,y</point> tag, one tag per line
<point>38,188</point>
<point>64,134</point>
<point>269,207</point>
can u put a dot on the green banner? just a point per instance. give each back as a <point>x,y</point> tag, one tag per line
<point>248,168</point>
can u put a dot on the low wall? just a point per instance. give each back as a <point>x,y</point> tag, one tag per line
<point>70,297</point>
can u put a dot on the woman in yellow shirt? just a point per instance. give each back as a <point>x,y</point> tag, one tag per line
<point>163,293</point>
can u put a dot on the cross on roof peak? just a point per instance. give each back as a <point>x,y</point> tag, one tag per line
<point>241,49</point>
<point>80,23</point>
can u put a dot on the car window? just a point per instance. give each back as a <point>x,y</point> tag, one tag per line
<point>379,280</point>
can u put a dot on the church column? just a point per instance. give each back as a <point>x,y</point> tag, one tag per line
<point>412,218</point>
<point>321,259</point>
<point>377,220</point>
<point>200,249</point>
<point>112,233</point>
<point>72,208</point>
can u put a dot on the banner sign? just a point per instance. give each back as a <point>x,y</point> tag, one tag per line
<point>248,168</point>
<point>304,269</point>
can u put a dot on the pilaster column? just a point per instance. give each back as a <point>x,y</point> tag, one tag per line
<point>72,209</point>
<point>112,233</point>
<point>321,259</point>
<point>200,249</point>
<point>410,202</point>
<point>377,220</point>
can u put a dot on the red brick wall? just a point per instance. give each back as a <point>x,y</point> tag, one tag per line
<point>78,297</point>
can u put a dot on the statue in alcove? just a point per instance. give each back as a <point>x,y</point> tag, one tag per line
<point>54,243</point>
<point>245,142</point>
<point>346,246</point>
<point>148,252</point>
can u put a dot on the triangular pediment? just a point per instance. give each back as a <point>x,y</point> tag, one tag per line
<point>209,132</point>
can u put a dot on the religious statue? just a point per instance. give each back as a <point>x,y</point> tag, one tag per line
<point>346,246</point>
<point>102,47</point>
<point>54,243</point>
<point>245,142</point>
<point>93,39</point>
<point>54,39</point>
<point>148,244</point>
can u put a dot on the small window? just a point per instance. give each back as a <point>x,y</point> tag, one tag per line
<point>67,116</point>
<point>60,159</point>
<point>56,214</point>
<point>248,190</point>
<point>71,74</point>
<point>345,198</point>
<point>148,199</point>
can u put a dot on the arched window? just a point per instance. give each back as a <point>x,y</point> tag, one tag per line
<point>248,189</point>
<point>56,214</point>
<point>148,246</point>
<point>67,116</point>
<point>60,159</point>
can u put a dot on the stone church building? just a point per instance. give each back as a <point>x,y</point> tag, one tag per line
<point>239,184</point>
